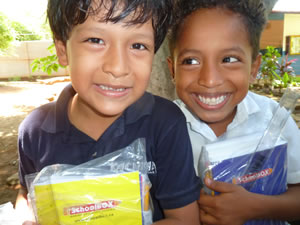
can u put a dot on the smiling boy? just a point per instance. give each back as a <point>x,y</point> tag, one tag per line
<point>214,49</point>
<point>108,47</point>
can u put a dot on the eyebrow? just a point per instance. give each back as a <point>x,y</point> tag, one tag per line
<point>235,49</point>
<point>185,51</point>
<point>84,30</point>
<point>195,51</point>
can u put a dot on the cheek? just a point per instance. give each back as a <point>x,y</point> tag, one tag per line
<point>142,69</point>
<point>185,80</point>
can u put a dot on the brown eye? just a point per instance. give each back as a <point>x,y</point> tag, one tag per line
<point>230,60</point>
<point>139,46</point>
<point>190,61</point>
<point>95,41</point>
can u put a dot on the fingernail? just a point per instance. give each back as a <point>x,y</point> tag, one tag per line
<point>208,181</point>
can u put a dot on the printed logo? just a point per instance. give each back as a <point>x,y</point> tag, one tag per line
<point>151,167</point>
<point>252,177</point>
<point>73,210</point>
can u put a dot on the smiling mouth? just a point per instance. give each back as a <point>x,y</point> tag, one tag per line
<point>212,101</point>
<point>107,88</point>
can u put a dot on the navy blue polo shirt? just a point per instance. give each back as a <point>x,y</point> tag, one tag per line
<point>47,137</point>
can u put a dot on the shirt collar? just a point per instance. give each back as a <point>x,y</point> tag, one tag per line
<point>245,108</point>
<point>194,123</point>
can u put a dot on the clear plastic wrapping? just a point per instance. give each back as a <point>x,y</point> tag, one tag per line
<point>113,189</point>
<point>257,162</point>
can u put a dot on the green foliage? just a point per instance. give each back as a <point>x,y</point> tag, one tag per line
<point>12,30</point>
<point>22,33</point>
<point>17,78</point>
<point>6,36</point>
<point>269,63</point>
<point>48,64</point>
<point>277,73</point>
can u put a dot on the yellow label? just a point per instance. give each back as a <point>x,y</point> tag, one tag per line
<point>106,200</point>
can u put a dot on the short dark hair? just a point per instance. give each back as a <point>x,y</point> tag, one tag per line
<point>252,12</point>
<point>63,15</point>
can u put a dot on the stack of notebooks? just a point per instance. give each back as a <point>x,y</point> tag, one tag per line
<point>110,190</point>
<point>113,199</point>
<point>237,161</point>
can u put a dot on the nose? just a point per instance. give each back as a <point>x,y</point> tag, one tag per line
<point>115,62</point>
<point>210,76</point>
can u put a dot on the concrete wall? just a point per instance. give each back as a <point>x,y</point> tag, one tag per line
<point>291,26</point>
<point>16,62</point>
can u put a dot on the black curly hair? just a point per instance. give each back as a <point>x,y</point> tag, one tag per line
<point>63,15</point>
<point>252,13</point>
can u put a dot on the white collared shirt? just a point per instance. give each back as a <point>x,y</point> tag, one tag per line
<point>253,115</point>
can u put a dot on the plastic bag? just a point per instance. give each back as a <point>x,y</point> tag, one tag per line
<point>257,162</point>
<point>113,189</point>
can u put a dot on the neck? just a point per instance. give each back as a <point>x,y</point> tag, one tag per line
<point>220,127</point>
<point>87,119</point>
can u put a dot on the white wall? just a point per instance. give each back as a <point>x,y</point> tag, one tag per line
<point>291,26</point>
<point>16,63</point>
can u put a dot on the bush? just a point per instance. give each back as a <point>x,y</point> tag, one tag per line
<point>48,64</point>
<point>6,35</point>
<point>12,30</point>
<point>275,72</point>
<point>22,33</point>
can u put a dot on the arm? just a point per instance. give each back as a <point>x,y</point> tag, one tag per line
<point>237,204</point>
<point>22,208</point>
<point>187,215</point>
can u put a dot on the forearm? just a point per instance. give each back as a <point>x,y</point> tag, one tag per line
<point>21,200</point>
<point>187,215</point>
<point>169,222</point>
<point>281,207</point>
<point>23,210</point>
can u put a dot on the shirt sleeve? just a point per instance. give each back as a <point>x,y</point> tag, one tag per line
<point>26,164</point>
<point>177,183</point>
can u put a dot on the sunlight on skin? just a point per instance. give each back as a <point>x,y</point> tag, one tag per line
<point>25,213</point>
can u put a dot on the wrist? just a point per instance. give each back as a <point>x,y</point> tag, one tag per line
<point>260,206</point>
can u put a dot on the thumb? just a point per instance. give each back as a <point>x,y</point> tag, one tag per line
<point>219,186</point>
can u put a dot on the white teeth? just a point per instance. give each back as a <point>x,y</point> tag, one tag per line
<point>212,101</point>
<point>106,88</point>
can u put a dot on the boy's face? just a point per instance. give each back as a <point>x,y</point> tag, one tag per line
<point>109,64</point>
<point>212,65</point>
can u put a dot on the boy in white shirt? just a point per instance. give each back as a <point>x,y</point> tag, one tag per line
<point>214,49</point>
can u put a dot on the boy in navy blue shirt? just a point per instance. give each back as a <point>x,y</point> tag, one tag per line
<point>108,47</point>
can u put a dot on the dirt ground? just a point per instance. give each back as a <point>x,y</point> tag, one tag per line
<point>17,100</point>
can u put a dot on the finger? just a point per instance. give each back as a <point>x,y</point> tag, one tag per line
<point>219,186</point>
<point>207,218</point>
<point>207,210</point>
<point>206,200</point>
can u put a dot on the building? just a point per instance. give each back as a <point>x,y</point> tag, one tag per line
<point>283,32</point>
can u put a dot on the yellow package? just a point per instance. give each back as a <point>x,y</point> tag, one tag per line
<point>105,200</point>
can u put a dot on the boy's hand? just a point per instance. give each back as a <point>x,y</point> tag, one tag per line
<point>231,206</point>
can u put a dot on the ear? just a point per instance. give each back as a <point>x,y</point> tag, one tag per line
<point>171,68</point>
<point>255,68</point>
<point>61,52</point>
